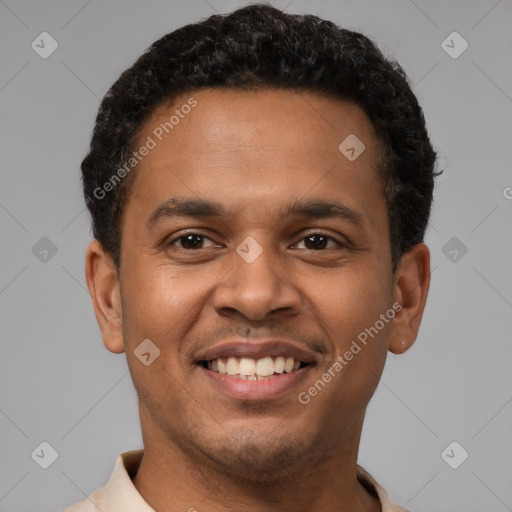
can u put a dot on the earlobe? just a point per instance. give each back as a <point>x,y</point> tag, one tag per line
<point>411,285</point>
<point>103,284</point>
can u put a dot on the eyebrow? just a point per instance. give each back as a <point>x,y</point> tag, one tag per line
<point>202,208</point>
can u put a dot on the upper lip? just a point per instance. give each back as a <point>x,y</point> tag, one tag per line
<point>257,349</point>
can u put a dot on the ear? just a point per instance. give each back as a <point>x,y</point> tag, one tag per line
<point>410,290</point>
<point>103,284</point>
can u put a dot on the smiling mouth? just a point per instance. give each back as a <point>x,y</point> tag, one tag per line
<point>246,368</point>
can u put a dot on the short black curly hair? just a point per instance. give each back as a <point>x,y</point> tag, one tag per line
<point>255,47</point>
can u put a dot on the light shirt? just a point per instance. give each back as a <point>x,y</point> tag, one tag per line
<point>120,495</point>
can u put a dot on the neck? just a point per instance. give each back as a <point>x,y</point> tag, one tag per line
<point>171,479</point>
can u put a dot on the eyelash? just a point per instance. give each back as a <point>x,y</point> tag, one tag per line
<point>313,233</point>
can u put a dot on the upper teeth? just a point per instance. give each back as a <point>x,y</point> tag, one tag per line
<point>247,367</point>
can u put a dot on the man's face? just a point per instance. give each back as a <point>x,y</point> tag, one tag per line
<point>268,272</point>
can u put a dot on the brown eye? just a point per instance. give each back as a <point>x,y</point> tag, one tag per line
<point>318,242</point>
<point>191,241</point>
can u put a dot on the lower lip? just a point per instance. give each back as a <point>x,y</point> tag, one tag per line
<point>265,389</point>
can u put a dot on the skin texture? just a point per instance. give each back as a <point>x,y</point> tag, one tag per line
<point>255,153</point>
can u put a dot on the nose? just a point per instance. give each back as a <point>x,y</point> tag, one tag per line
<point>255,289</point>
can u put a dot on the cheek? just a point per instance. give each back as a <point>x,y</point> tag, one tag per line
<point>348,313</point>
<point>160,306</point>
<point>346,301</point>
<point>159,302</point>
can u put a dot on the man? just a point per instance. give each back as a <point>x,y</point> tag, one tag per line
<point>260,184</point>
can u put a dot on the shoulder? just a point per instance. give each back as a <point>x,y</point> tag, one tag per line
<point>95,502</point>
<point>119,492</point>
<point>377,490</point>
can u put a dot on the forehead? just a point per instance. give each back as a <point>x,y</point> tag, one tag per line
<point>253,149</point>
<point>250,120</point>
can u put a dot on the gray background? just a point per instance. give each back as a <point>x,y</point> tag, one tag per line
<point>58,382</point>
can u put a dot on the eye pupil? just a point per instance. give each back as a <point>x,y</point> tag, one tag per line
<point>316,245</point>
<point>192,241</point>
<point>195,241</point>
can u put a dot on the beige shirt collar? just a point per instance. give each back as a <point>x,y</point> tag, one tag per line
<point>120,495</point>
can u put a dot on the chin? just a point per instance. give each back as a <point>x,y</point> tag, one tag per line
<point>256,456</point>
